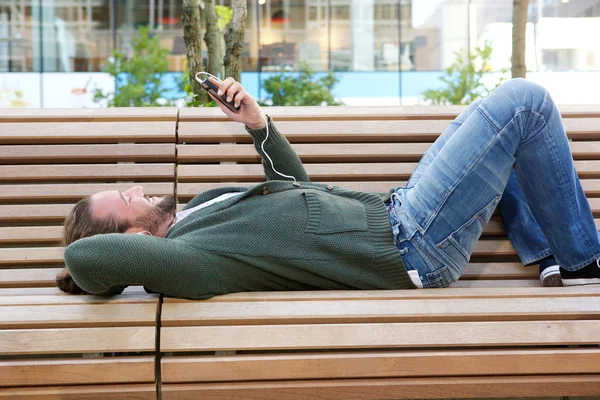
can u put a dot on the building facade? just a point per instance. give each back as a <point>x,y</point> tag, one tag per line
<point>398,47</point>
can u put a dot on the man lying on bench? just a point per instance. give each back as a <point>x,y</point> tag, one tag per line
<point>509,150</point>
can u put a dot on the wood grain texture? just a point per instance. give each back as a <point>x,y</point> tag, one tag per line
<point>379,311</point>
<point>331,172</point>
<point>32,255</point>
<point>87,172</point>
<point>379,365</point>
<point>400,388</point>
<point>70,115</point>
<point>80,315</point>
<point>55,213</point>
<point>73,371</point>
<point>30,297</point>
<point>393,335</point>
<point>99,392</point>
<point>28,277</point>
<point>30,235</point>
<point>88,132</point>
<point>75,192</point>
<point>447,293</point>
<point>77,340</point>
<point>339,152</point>
<point>93,153</point>
<point>369,113</point>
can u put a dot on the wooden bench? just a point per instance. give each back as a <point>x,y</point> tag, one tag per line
<point>73,347</point>
<point>495,333</point>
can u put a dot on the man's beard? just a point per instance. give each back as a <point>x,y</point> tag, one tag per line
<point>163,212</point>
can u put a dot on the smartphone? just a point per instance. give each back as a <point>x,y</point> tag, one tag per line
<point>213,89</point>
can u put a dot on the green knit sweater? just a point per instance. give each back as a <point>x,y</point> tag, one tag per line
<point>274,236</point>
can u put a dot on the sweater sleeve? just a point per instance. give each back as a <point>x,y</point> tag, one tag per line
<point>172,267</point>
<point>285,159</point>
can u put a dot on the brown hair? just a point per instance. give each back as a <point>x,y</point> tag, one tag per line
<point>80,224</point>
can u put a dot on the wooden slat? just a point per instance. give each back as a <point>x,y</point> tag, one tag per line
<point>368,113</point>
<point>25,278</point>
<point>398,335</point>
<point>351,131</point>
<point>100,392</point>
<point>31,255</point>
<point>332,172</point>
<point>75,192</point>
<point>400,388</point>
<point>378,311</point>
<point>69,115</point>
<point>497,283</point>
<point>77,315</point>
<point>317,172</point>
<point>379,365</point>
<point>363,152</point>
<point>41,154</point>
<point>79,340</point>
<point>69,371</point>
<point>86,172</point>
<point>31,235</point>
<point>88,132</point>
<point>448,293</point>
<point>52,295</point>
<point>339,153</point>
<point>59,298</point>
<point>500,270</point>
<point>34,212</point>
<point>317,131</point>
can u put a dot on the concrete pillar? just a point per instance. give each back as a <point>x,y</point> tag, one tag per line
<point>44,34</point>
<point>363,35</point>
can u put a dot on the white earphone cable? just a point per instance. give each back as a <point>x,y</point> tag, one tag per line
<point>262,146</point>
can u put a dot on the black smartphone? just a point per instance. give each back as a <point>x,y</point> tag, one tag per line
<point>213,89</point>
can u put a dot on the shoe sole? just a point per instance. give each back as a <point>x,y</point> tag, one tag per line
<point>581,282</point>
<point>550,277</point>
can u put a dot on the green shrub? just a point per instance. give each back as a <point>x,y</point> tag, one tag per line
<point>463,80</point>
<point>138,76</point>
<point>301,89</point>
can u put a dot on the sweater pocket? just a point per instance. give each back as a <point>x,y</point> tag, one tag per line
<point>329,214</point>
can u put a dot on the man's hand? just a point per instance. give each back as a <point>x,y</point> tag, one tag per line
<point>250,113</point>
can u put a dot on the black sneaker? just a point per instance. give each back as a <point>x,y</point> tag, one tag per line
<point>588,275</point>
<point>550,273</point>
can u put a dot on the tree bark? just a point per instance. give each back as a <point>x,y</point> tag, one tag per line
<point>519,20</point>
<point>234,40</point>
<point>193,45</point>
<point>211,37</point>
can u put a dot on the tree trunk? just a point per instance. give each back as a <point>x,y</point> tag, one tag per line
<point>211,37</point>
<point>193,46</point>
<point>519,69</point>
<point>234,40</point>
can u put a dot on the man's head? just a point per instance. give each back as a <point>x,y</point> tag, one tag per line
<point>131,211</point>
<point>115,212</point>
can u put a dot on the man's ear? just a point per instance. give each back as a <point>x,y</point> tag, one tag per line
<point>138,231</point>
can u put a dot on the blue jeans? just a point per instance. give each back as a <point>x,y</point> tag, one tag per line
<point>509,150</point>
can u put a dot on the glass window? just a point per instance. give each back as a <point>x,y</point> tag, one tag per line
<point>16,41</point>
<point>292,33</point>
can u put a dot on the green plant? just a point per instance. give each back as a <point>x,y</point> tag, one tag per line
<point>139,76</point>
<point>224,16</point>
<point>463,79</point>
<point>301,89</point>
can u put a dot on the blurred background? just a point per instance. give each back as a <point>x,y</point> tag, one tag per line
<point>384,52</point>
